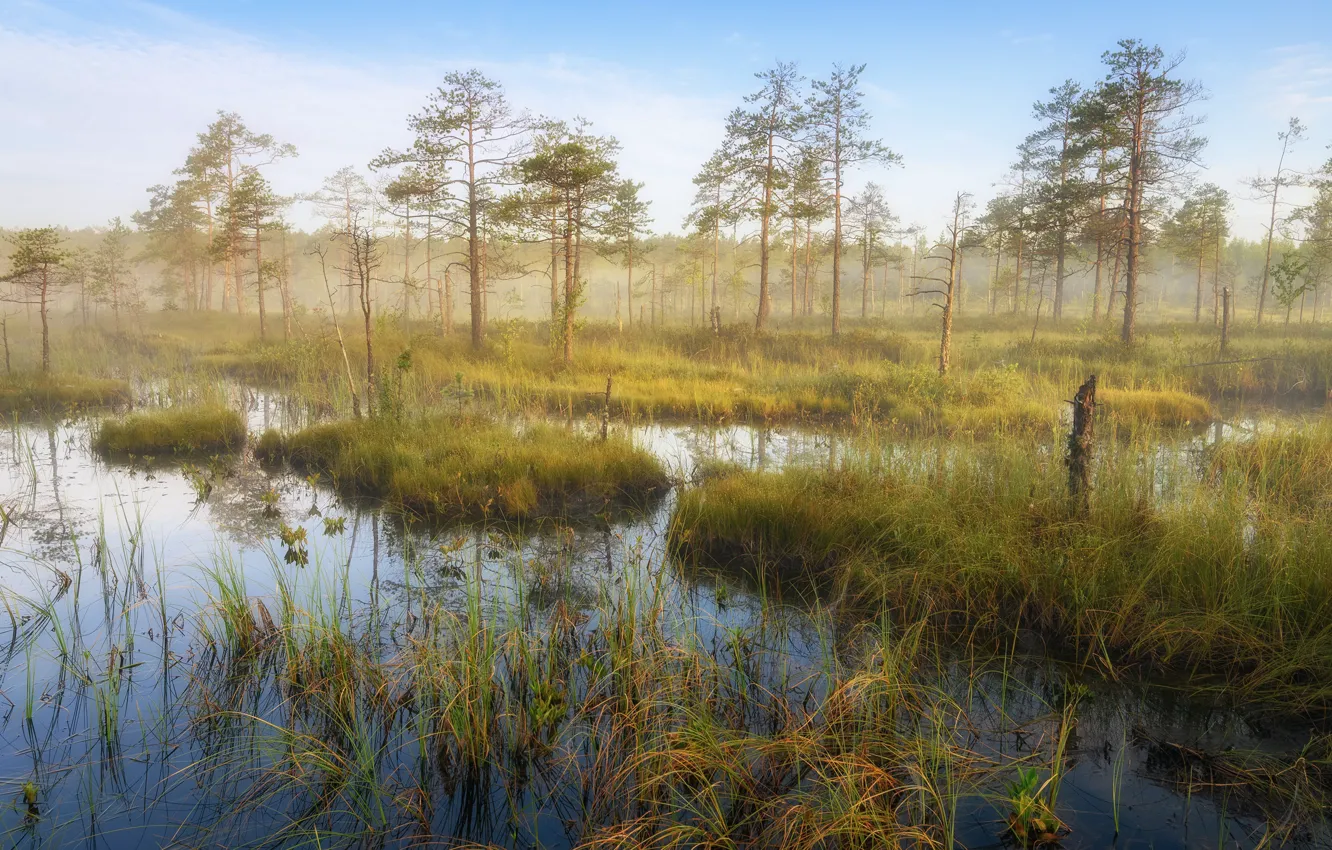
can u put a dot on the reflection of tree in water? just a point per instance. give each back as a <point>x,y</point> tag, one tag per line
<point>543,563</point>
<point>236,508</point>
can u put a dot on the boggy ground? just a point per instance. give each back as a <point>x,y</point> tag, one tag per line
<point>1002,381</point>
<point>979,641</point>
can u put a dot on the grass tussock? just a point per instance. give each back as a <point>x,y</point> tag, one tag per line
<point>447,467</point>
<point>1162,567</point>
<point>36,394</point>
<point>172,431</point>
<point>1291,466</point>
<point>1168,408</point>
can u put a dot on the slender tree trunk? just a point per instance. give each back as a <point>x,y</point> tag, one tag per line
<point>208,268</point>
<point>1271,233</point>
<point>1114,277</point>
<point>259,285</point>
<point>1017,273</point>
<point>629,282</point>
<point>570,281</point>
<point>1198,302</point>
<point>795,283</point>
<point>837,232</point>
<point>46,330</point>
<point>716,248</point>
<point>1225,319</point>
<point>961,286</point>
<point>474,244</point>
<point>408,288</point>
<point>765,227</point>
<point>1096,290</point>
<point>446,302</point>
<point>1135,188</point>
<point>864,281</point>
<point>809,248</point>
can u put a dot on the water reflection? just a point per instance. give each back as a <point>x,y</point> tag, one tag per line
<point>114,561</point>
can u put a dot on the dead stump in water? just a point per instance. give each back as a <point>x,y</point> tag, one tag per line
<point>1080,439</point>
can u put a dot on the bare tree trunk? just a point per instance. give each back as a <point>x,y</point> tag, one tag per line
<point>809,248</point>
<point>1225,319</point>
<point>337,329</point>
<point>1198,302</point>
<point>570,281</point>
<point>259,284</point>
<point>474,244</point>
<point>795,283</point>
<point>961,285</point>
<point>1017,273</point>
<point>1080,445</point>
<point>46,330</point>
<point>837,237</point>
<point>208,268</point>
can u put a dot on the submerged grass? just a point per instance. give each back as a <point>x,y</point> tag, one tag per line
<point>445,467</point>
<point>175,430</point>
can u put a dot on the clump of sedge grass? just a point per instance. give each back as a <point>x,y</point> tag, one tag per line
<point>1192,573</point>
<point>446,467</point>
<point>269,448</point>
<point>1168,408</point>
<point>179,431</point>
<point>1290,465</point>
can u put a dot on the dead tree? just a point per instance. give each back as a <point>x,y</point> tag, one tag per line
<point>322,253</point>
<point>947,250</point>
<point>1080,444</point>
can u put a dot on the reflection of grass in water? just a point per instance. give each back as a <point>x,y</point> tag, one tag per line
<point>174,430</point>
<point>312,716</point>
<point>1220,576</point>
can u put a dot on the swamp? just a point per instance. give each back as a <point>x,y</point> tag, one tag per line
<point>502,611</point>
<point>467,500</point>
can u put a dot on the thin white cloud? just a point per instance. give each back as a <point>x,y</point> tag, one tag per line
<point>94,120</point>
<point>1297,80</point>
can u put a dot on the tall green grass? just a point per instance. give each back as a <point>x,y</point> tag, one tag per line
<point>172,431</point>
<point>446,467</point>
<point>1228,572</point>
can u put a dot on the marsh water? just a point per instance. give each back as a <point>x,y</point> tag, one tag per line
<point>116,560</point>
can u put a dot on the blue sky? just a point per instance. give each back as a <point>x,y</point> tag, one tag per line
<point>106,96</point>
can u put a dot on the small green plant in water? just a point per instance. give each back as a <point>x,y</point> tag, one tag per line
<point>201,482</point>
<point>334,525</point>
<point>1031,820</point>
<point>269,499</point>
<point>294,540</point>
<point>30,801</point>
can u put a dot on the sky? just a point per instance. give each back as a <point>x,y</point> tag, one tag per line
<point>100,99</point>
